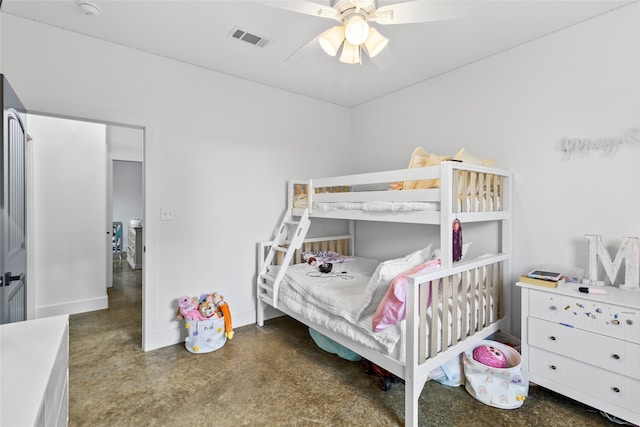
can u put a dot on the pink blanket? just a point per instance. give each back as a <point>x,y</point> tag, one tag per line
<point>392,308</point>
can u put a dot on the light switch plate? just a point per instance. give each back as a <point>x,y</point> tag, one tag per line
<point>167,214</point>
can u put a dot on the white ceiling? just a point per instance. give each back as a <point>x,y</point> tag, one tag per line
<point>197,32</point>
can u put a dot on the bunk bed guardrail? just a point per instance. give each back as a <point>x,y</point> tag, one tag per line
<point>473,290</point>
<point>472,188</point>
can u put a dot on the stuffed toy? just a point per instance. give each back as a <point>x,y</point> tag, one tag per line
<point>207,308</point>
<point>489,355</point>
<point>223,309</point>
<point>188,309</point>
<point>184,305</point>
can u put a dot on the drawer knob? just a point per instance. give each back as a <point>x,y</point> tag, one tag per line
<point>552,338</point>
<point>552,308</point>
<point>616,389</point>
<point>615,356</point>
<point>553,367</point>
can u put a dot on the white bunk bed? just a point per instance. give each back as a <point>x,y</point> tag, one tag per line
<point>475,290</point>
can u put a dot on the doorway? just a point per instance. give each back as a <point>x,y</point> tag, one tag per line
<point>127,213</point>
<point>72,209</point>
<point>125,197</point>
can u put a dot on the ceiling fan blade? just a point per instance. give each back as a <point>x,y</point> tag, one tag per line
<point>305,52</point>
<point>305,7</point>
<point>385,59</point>
<point>422,11</point>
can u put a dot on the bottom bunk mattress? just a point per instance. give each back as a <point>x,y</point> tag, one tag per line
<point>345,301</point>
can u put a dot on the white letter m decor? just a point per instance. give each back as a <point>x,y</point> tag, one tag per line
<point>627,251</point>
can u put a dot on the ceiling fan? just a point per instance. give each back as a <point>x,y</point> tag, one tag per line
<point>354,33</point>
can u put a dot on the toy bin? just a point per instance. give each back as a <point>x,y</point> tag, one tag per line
<point>206,335</point>
<point>502,388</point>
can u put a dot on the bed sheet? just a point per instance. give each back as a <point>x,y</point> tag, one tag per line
<point>301,201</point>
<point>482,205</point>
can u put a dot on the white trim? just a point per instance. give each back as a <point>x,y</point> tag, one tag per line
<point>80,306</point>
<point>177,335</point>
<point>28,155</point>
<point>150,335</point>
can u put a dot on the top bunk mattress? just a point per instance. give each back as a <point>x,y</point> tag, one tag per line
<point>301,201</point>
<point>452,187</point>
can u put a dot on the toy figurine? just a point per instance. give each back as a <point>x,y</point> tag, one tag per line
<point>490,356</point>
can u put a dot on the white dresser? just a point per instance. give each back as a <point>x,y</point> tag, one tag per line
<point>134,247</point>
<point>34,372</point>
<point>584,346</point>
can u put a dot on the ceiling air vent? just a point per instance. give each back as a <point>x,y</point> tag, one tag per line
<point>253,39</point>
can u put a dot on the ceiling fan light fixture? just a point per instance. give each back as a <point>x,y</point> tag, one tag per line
<point>375,43</point>
<point>357,30</point>
<point>350,53</point>
<point>364,4</point>
<point>331,40</point>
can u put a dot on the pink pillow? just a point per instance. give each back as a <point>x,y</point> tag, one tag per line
<point>392,308</point>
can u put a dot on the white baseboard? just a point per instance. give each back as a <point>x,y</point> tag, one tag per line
<point>177,335</point>
<point>73,307</point>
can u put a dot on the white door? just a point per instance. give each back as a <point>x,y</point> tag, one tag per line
<point>69,215</point>
<point>13,252</point>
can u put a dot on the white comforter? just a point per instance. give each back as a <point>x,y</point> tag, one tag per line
<point>334,300</point>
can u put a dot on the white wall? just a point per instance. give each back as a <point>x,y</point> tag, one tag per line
<point>68,216</point>
<point>125,143</point>
<point>515,107</point>
<point>218,150</point>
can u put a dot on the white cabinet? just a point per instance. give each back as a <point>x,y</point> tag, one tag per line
<point>34,362</point>
<point>134,247</point>
<point>584,346</point>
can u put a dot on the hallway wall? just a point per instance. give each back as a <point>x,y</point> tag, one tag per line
<point>68,216</point>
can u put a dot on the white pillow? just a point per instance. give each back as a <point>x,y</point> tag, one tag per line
<point>385,273</point>
<point>465,248</point>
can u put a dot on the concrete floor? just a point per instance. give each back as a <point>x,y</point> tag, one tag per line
<point>269,376</point>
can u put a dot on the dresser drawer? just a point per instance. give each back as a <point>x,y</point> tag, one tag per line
<point>562,370</point>
<point>617,389</point>
<point>57,386</point>
<point>558,338</point>
<point>619,322</point>
<point>618,356</point>
<point>557,308</point>
<point>587,314</point>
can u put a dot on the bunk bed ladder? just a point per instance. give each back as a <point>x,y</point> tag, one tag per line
<point>288,239</point>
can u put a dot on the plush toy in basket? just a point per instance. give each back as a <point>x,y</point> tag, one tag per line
<point>493,375</point>
<point>207,320</point>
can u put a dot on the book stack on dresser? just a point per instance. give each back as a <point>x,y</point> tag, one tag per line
<point>548,279</point>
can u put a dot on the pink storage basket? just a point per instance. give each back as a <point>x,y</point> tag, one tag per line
<point>502,388</point>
